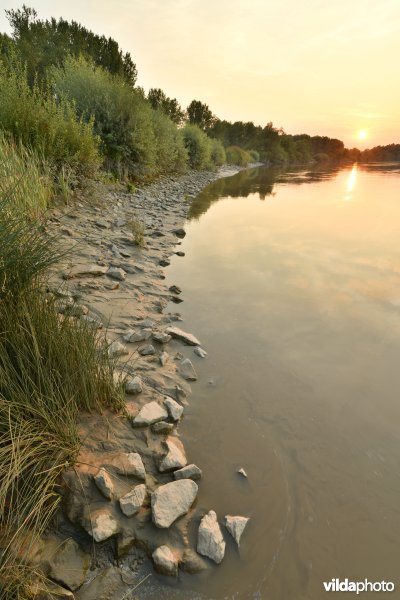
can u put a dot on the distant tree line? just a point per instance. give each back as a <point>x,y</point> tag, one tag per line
<point>391,152</point>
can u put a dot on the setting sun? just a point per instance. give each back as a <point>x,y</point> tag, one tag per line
<point>362,134</point>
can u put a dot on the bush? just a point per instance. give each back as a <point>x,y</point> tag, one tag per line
<point>49,126</point>
<point>122,117</point>
<point>237,156</point>
<point>172,156</point>
<point>254,155</point>
<point>218,154</point>
<point>198,146</point>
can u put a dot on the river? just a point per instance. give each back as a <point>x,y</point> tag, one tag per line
<point>291,280</point>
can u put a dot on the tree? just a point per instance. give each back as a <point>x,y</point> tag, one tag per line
<point>170,106</point>
<point>199,114</point>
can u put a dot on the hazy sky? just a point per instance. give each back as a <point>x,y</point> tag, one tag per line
<point>316,66</point>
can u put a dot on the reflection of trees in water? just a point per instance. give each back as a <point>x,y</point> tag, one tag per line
<point>251,181</point>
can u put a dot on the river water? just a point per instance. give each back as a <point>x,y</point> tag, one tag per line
<point>292,282</point>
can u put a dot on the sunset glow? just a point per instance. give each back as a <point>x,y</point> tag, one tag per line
<point>362,134</point>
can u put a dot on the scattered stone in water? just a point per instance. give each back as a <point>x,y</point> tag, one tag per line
<point>150,413</point>
<point>200,352</point>
<point>164,356</point>
<point>180,232</point>
<point>175,289</point>
<point>133,500</point>
<point>116,273</point>
<point>210,540</point>
<point>174,409</point>
<point>187,370</point>
<point>242,472</point>
<point>104,483</point>
<point>175,457</point>
<point>134,386</point>
<point>147,350</point>
<point>176,300</point>
<point>187,338</point>
<point>180,253</point>
<point>161,337</point>
<point>165,561</point>
<point>70,565</point>
<point>172,500</point>
<point>236,526</point>
<point>162,427</point>
<point>164,262</point>
<point>191,562</point>
<point>104,525</point>
<point>117,349</point>
<point>188,472</point>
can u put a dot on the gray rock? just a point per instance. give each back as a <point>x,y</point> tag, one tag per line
<point>191,562</point>
<point>175,289</point>
<point>210,541</point>
<point>117,349</point>
<point>104,525</point>
<point>164,356</point>
<point>165,561</point>
<point>174,409</point>
<point>179,334</point>
<point>147,350</point>
<point>87,271</point>
<point>188,472</point>
<point>147,323</point>
<point>200,352</point>
<point>104,483</point>
<point>162,427</point>
<point>150,413</point>
<point>187,370</point>
<point>175,457</point>
<point>134,386</point>
<point>242,472</point>
<point>164,262</point>
<point>172,500</point>
<point>236,526</point>
<point>70,565</point>
<point>161,337</point>
<point>103,224</point>
<point>137,336</point>
<point>116,273</point>
<point>133,500</point>
<point>129,464</point>
<point>180,232</point>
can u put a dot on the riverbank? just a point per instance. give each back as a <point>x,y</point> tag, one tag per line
<point>118,286</point>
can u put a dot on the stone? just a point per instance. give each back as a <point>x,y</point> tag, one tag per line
<point>134,386</point>
<point>129,464</point>
<point>117,349</point>
<point>236,526</point>
<point>187,370</point>
<point>104,483</point>
<point>191,562</point>
<point>162,427</point>
<point>164,356</point>
<point>180,232</point>
<point>69,565</point>
<point>165,561</point>
<point>103,224</point>
<point>175,289</point>
<point>179,334</point>
<point>242,472</point>
<point>175,457</point>
<point>200,352</point>
<point>133,500</point>
<point>51,591</point>
<point>171,501</point>
<point>104,525</point>
<point>180,253</point>
<point>188,472</point>
<point>147,323</point>
<point>210,541</point>
<point>116,273</point>
<point>150,413</point>
<point>161,337</point>
<point>105,584</point>
<point>148,350</point>
<point>86,271</point>
<point>138,336</point>
<point>174,409</point>
<point>164,262</point>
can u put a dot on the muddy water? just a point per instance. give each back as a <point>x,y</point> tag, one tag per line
<point>292,283</point>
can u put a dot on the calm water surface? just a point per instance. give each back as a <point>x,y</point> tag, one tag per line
<point>292,283</point>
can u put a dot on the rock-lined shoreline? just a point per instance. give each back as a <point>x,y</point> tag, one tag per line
<point>133,486</point>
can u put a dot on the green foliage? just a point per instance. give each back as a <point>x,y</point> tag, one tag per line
<point>122,117</point>
<point>49,126</point>
<point>170,106</point>
<point>237,156</point>
<point>198,146</point>
<point>218,154</point>
<point>170,151</point>
<point>254,155</point>
<point>137,228</point>
<point>199,114</point>
<point>45,43</point>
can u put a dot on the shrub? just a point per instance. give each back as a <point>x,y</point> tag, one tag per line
<point>49,126</point>
<point>122,117</point>
<point>254,155</point>
<point>218,154</point>
<point>237,156</point>
<point>172,156</point>
<point>198,146</point>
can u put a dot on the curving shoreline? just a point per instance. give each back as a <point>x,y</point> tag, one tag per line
<point>115,285</point>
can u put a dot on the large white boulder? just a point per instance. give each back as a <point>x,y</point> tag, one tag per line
<point>172,500</point>
<point>210,541</point>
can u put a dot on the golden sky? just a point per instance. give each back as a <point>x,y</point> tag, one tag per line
<point>326,67</point>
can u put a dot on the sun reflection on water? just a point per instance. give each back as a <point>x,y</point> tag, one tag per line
<point>351,181</point>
